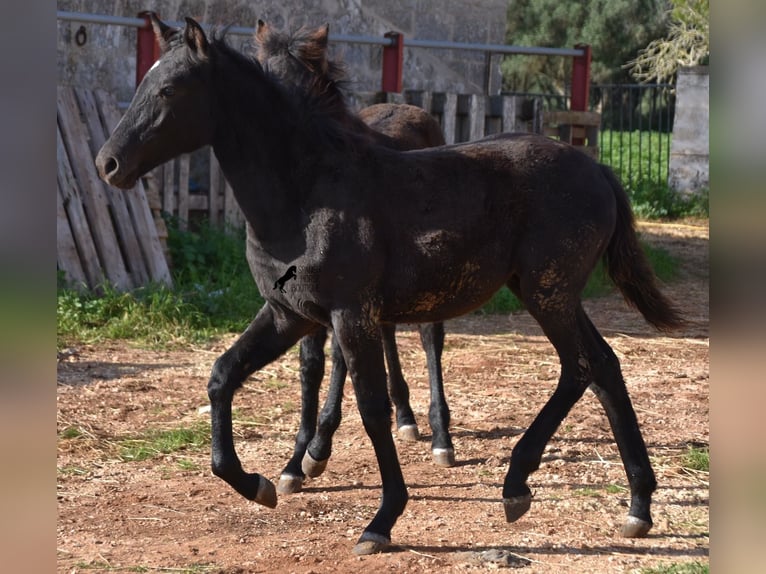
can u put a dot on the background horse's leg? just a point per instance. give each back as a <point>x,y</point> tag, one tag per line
<point>400,393</point>
<point>312,372</point>
<point>265,339</point>
<point>319,449</point>
<point>432,338</point>
<point>609,387</point>
<point>363,351</point>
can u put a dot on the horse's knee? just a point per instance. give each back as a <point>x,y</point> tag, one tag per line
<point>223,380</point>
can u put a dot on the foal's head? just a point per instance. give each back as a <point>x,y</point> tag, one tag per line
<point>172,109</point>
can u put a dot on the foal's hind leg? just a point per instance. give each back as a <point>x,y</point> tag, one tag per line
<point>312,372</point>
<point>567,335</point>
<point>406,425</point>
<point>432,338</point>
<point>319,449</point>
<point>609,387</point>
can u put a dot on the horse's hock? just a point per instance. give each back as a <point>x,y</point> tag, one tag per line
<point>104,235</point>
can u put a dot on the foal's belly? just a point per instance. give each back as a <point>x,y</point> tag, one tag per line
<point>426,295</point>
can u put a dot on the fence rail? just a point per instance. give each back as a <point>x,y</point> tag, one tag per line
<point>635,127</point>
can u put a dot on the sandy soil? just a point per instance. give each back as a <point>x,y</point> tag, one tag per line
<point>169,514</point>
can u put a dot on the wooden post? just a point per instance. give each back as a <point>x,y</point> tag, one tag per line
<point>147,48</point>
<point>580,84</point>
<point>393,60</point>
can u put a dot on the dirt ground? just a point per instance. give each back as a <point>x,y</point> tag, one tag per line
<point>170,514</point>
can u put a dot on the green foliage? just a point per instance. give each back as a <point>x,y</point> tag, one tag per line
<point>211,271</point>
<point>153,315</point>
<point>687,43</point>
<point>615,29</point>
<point>627,153</point>
<point>214,293</point>
<point>679,568</point>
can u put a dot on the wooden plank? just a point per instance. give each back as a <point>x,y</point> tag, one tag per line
<point>215,195</point>
<point>199,202</point>
<point>138,205</point>
<point>126,233</point>
<point>572,118</point>
<point>445,106</point>
<point>477,104</point>
<point>67,258</point>
<point>75,137</point>
<point>183,191</point>
<point>168,187</point>
<point>232,213</point>
<point>78,222</point>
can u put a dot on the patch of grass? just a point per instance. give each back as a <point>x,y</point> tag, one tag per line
<point>696,459</point>
<point>158,443</point>
<point>588,492</point>
<point>71,470</point>
<point>213,293</point>
<point>275,384</point>
<point>640,159</point>
<point>615,489</point>
<point>678,568</point>
<point>71,432</point>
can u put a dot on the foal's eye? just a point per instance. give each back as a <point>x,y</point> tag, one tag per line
<point>167,92</point>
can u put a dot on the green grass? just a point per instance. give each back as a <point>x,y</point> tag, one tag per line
<point>213,293</point>
<point>678,568</point>
<point>162,442</point>
<point>696,459</point>
<point>640,159</point>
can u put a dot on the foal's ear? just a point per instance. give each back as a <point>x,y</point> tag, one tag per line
<point>162,31</point>
<point>320,36</point>
<point>262,30</point>
<point>195,38</point>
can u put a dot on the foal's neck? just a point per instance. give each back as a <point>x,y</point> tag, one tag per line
<point>256,148</point>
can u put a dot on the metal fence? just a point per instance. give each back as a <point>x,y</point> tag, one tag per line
<point>635,131</point>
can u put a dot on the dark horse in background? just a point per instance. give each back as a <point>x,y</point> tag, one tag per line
<point>391,237</point>
<point>301,59</point>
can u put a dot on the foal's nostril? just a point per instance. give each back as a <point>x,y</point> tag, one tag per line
<point>110,166</point>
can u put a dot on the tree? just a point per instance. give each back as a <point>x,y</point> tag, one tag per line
<point>686,44</point>
<point>615,29</point>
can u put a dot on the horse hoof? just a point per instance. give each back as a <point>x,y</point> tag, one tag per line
<point>516,507</point>
<point>635,527</point>
<point>444,456</point>
<point>311,467</point>
<point>289,484</point>
<point>409,433</point>
<point>371,543</point>
<point>267,494</point>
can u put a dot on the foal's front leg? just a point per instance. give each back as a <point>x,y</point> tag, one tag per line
<point>271,333</point>
<point>362,349</point>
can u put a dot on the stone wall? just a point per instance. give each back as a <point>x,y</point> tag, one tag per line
<point>107,57</point>
<point>689,169</point>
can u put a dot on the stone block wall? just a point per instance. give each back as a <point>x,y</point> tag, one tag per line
<point>689,169</point>
<point>106,59</point>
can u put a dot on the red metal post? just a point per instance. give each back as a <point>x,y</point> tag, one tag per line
<point>580,84</point>
<point>393,59</point>
<point>147,48</point>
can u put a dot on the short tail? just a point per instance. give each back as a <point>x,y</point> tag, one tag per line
<point>630,269</point>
